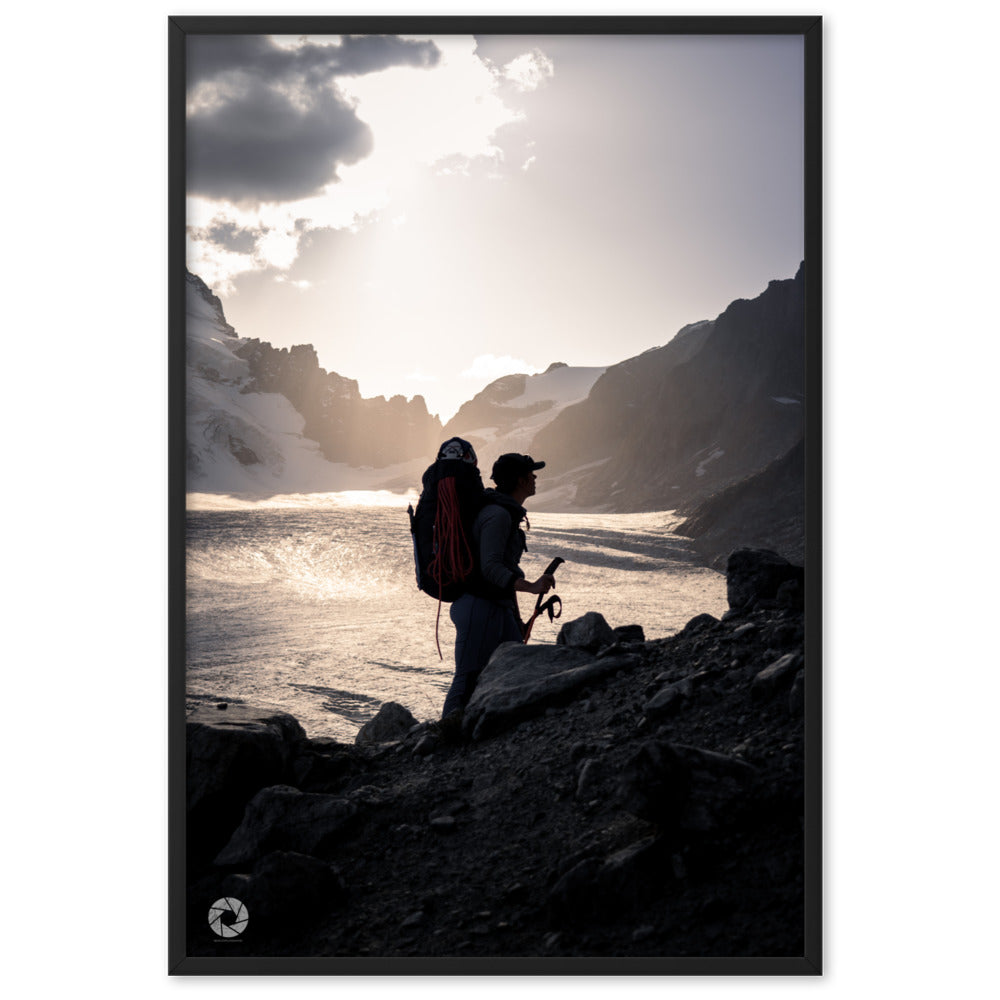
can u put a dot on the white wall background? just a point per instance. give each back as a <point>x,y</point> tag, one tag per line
<point>910,362</point>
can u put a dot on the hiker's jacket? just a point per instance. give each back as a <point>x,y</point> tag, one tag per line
<point>500,543</point>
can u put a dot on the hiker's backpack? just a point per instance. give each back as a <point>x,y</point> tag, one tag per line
<point>452,496</point>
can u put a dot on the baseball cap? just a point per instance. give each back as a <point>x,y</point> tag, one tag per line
<point>513,464</point>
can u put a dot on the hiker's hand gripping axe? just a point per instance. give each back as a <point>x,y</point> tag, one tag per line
<point>547,605</point>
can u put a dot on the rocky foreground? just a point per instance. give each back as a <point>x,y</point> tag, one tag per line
<point>604,797</point>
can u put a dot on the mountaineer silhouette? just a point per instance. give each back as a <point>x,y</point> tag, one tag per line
<point>468,544</point>
<point>487,613</point>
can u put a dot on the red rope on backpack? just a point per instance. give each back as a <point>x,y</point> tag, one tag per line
<point>452,561</point>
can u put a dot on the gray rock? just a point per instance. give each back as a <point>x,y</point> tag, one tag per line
<point>776,677</point>
<point>699,622</point>
<point>588,783</point>
<point>685,788</point>
<point>283,818</point>
<point>791,594</point>
<point>391,722</point>
<point>615,649</point>
<point>238,750</point>
<point>427,744</point>
<point>754,575</point>
<point>668,701</point>
<point>371,796</point>
<point>590,632</point>
<point>630,633</point>
<point>323,765</point>
<point>520,682</point>
<point>230,756</point>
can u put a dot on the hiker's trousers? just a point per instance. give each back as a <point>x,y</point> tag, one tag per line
<point>481,626</point>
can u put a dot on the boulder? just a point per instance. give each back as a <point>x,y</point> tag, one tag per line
<point>590,632</point>
<point>668,700</point>
<point>231,755</point>
<point>282,818</point>
<point>286,889</point>
<point>699,623</point>
<point>791,594</point>
<point>391,722</point>
<point>323,765</point>
<point>754,575</point>
<point>590,779</point>
<point>684,788</point>
<point>629,634</point>
<point>776,677</point>
<point>520,682</point>
<point>427,744</point>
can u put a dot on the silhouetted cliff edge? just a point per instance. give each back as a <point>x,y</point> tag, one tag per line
<point>606,796</point>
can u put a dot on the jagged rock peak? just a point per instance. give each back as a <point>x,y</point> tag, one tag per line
<point>213,300</point>
<point>554,366</point>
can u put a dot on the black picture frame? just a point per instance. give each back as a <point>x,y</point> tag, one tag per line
<point>810,962</point>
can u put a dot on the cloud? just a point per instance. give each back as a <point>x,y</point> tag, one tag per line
<point>215,263</point>
<point>209,57</point>
<point>529,70</point>
<point>263,145</point>
<point>288,136</point>
<point>302,286</point>
<point>492,366</point>
<point>230,236</point>
<point>268,123</point>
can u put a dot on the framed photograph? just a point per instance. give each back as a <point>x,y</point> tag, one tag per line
<point>495,495</point>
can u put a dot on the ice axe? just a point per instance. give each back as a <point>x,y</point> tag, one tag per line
<point>547,605</point>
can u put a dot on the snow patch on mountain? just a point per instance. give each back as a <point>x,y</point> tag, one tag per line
<point>717,453</point>
<point>559,386</point>
<point>249,443</point>
<point>497,421</point>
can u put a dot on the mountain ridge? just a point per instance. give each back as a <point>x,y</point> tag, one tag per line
<point>674,425</point>
<point>266,420</point>
<point>677,427</point>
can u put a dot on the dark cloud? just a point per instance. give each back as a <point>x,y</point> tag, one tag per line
<point>209,56</point>
<point>263,145</point>
<point>371,53</point>
<point>277,127</point>
<point>231,236</point>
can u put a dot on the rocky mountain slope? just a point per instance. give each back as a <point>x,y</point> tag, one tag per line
<point>766,510</point>
<point>603,797</point>
<point>717,404</point>
<point>263,418</point>
<point>711,424</point>
<point>510,411</point>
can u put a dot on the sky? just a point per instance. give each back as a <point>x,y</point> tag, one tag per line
<point>433,213</point>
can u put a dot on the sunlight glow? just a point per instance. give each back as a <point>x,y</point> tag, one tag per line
<point>302,501</point>
<point>529,71</point>
<point>419,117</point>
<point>491,366</point>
